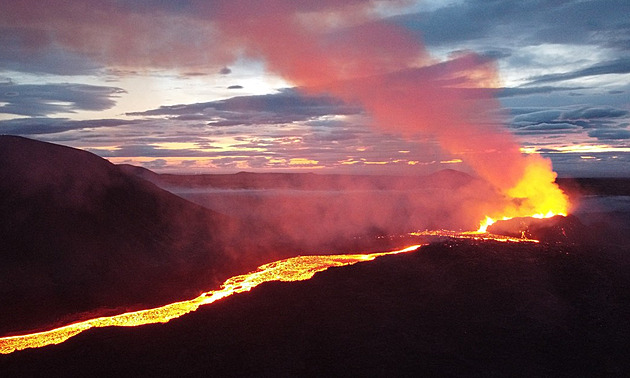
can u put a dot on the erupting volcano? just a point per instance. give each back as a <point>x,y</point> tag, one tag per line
<point>491,269</point>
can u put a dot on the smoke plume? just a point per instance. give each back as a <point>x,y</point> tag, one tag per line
<point>340,48</point>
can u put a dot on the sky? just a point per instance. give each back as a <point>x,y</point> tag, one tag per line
<point>218,86</point>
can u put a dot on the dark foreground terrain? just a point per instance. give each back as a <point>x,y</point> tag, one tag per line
<point>455,308</point>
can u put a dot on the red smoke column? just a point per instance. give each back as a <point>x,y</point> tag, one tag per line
<point>390,73</point>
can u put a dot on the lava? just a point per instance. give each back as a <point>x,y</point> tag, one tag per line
<point>298,268</point>
<point>293,269</point>
<point>474,235</point>
<point>535,195</point>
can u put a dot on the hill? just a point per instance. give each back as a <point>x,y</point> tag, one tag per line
<point>447,178</point>
<point>79,235</point>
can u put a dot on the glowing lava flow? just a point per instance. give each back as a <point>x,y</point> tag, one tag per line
<point>293,269</point>
<point>474,235</point>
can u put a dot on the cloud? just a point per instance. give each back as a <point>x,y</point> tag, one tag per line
<point>546,127</point>
<point>618,66</point>
<point>526,91</point>
<point>33,50</point>
<point>584,116</point>
<point>132,34</point>
<point>603,122</point>
<point>34,126</point>
<point>530,22</point>
<point>610,134</point>
<point>287,106</point>
<point>39,100</point>
<point>590,113</point>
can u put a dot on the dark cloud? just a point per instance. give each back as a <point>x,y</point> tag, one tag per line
<point>574,114</point>
<point>32,50</point>
<point>553,128</point>
<point>610,134</point>
<point>39,100</point>
<point>235,87</point>
<point>225,71</point>
<point>33,126</point>
<point>618,66</point>
<point>567,120</point>
<point>528,21</point>
<point>525,91</point>
<point>286,106</point>
<point>147,150</point>
<point>145,6</point>
<point>586,113</point>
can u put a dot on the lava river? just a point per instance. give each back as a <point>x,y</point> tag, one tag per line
<point>293,269</point>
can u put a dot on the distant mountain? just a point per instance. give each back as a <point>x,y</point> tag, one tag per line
<point>77,234</point>
<point>447,178</point>
<point>323,212</point>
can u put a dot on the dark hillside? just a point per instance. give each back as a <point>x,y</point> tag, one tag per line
<point>77,234</point>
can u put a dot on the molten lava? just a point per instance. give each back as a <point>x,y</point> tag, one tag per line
<point>536,195</point>
<point>293,269</point>
<point>474,235</point>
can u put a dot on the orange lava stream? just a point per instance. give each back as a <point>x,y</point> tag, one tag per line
<point>293,269</point>
<point>475,235</point>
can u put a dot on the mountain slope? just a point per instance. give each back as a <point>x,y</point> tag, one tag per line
<point>77,234</point>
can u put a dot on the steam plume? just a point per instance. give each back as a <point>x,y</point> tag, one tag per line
<point>393,77</point>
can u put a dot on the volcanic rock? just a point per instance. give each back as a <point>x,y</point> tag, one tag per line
<point>555,229</point>
<point>452,309</point>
